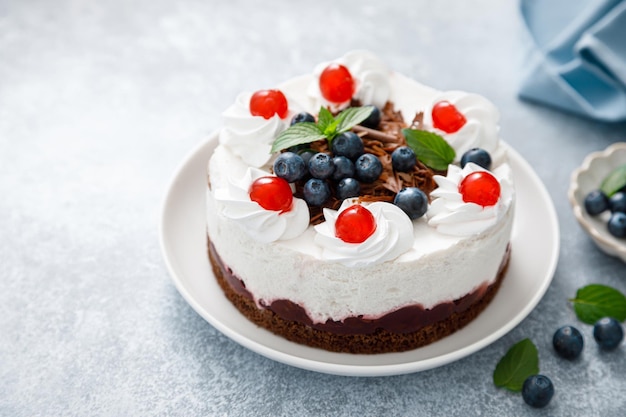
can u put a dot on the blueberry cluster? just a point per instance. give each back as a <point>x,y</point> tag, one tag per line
<point>342,171</point>
<point>597,202</point>
<point>568,343</point>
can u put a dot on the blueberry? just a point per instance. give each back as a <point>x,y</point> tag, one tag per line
<point>289,166</point>
<point>373,120</point>
<point>302,117</point>
<point>316,192</point>
<point>368,168</point>
<point>617,224</point>
<point>596,202</point>
<point>344,168</point>
<point>348,144</point>
<point>478,156</point>
<point>321,165</point>
<point>412,201</point>
<point>617,202</point>
<point>608,333</point>
<point>348,187</point>
<point>306,155</point>
<point>568,342</point>
<point>403,159</point>
<point>537,391</point>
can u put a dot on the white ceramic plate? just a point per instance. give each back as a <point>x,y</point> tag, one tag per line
<point>588,177</point>
<point>535,248</point>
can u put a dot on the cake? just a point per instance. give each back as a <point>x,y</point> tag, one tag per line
<point>382,246</point>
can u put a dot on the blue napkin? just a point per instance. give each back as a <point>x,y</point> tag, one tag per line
<point>579,63</point>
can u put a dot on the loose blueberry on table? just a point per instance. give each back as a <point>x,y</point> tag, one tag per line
<point>608,332</point>
<point>568,342</point>
<point>537,391</point>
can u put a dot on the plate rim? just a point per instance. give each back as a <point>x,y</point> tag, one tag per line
<point>347,369</point>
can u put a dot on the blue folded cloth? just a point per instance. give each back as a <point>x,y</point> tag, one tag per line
<point>579,63</point>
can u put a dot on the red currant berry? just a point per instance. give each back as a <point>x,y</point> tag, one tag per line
<point>446,117</point>
<point>336,83</point>
<point>480,187</point>
<point>272,193</point>
<point>267,103</point>
<point>355,224</point>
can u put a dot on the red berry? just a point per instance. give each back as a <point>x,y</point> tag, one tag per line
<point>355,224</point>
<point>480,187</point>
<point>267,103</point>
<point>446,117</point>
<point>272,193</point>
<point>336,83</point>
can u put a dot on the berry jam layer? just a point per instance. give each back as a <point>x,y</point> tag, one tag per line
<point>404,329</point>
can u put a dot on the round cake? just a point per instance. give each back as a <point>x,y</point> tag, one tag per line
<point>355,210</point>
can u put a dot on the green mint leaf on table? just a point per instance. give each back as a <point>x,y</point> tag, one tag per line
<point>615,181</point>
<point>327,127</point>
<point>297,134</point>
<point>520,362</point>
<point>430,148</point>
<point>596,301</point>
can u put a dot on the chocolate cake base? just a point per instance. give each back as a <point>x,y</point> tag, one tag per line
<point>379,340</point>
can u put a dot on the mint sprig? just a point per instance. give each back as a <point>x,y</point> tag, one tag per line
<point>596,301</point>
<point>327,127</point>
<point>430,148</point>
<point>615,181</point>
<point>520,362</point>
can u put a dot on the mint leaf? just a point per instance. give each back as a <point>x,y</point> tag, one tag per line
<point>324,119</point>
<point>327,127</point>
<point>297,134</point>
<point>430,148</point>
<point>352,116</point>
<point>520,362</point>
<point>596,301</point>
<point>615,181</point>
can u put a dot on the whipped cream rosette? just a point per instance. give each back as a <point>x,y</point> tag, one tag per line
<point>261,224</point>
<point>450,215</point>
<point>393,236</point>
<point>371,78</point>
<point>481,128</point>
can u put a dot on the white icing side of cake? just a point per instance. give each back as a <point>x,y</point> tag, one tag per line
<point>437,268</point>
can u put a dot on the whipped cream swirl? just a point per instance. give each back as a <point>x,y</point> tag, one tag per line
<point>393,236</point>
<point>263,225</point>
<point>250,137</point>
<point>481,130</point>
<point>450,215</point>
<point>370,74</point>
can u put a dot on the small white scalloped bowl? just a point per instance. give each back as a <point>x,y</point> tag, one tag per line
<point>587,178</point>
